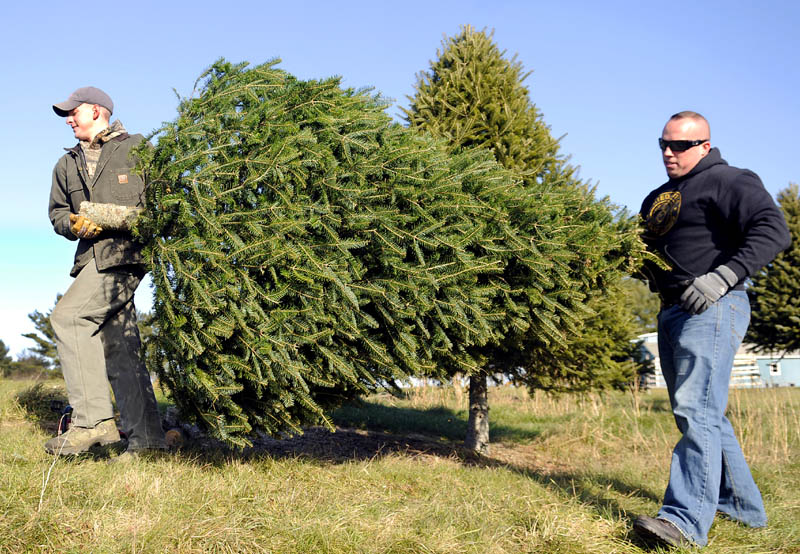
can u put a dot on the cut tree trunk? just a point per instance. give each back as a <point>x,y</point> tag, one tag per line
<point>478,425</point>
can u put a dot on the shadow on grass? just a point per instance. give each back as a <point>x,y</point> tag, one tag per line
<point>660,405</point>
<point>438,421</point>
<point>367,431</point>
<point>320,446</point>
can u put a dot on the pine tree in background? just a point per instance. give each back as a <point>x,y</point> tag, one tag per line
<point>473,96</point>
<point>304,248</point>
<point>577,327</point>
<point>644,304</point>
<point>5,360</point>
<point>30,365</point>
<point>775,292</point>
<point>45,338</point>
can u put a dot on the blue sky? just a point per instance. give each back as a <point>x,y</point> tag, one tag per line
<point>606,75</point>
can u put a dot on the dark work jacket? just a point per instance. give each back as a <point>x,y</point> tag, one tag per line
<point>114,182</point>
<point>716,214</point>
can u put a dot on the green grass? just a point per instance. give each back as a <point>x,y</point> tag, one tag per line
<point>565,475</point>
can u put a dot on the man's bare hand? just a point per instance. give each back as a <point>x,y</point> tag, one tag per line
<point>83,227</point>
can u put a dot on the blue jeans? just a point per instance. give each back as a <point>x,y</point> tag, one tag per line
<point>708,471</point>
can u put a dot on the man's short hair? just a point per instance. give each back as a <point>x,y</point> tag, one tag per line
<point>688,114</point>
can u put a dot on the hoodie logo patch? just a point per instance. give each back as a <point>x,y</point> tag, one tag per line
<point>123,179</point>
<point>664,213</point>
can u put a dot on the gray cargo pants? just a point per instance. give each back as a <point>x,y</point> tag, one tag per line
<point>98,343</point>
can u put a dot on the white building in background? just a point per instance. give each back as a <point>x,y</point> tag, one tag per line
<point>749,369</point>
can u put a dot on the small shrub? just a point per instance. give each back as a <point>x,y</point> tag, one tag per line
<point>42,402</point>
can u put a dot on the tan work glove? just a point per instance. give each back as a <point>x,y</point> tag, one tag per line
<point>83,227</point>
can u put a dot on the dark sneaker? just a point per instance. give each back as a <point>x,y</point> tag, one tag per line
<point>77,440</point>
<point>660,531</point>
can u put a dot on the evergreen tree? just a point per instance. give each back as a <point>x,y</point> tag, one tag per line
<point>775,291</point>
<point>577,331</point>
<point>5,360</point>
<point>603,355</point>
<point>644,305</point>
<point>44,337</point>
<point>148,329</point>
<point>304,249</point>
<point>29,365</point>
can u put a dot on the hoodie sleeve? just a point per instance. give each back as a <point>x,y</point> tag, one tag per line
<point>747,204</point>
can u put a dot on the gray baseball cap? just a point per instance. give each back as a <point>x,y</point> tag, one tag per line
<point>84,95</point>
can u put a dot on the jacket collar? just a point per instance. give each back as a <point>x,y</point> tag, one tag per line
<point>76,150</point>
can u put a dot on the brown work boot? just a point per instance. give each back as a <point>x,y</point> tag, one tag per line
<point>77,440</point>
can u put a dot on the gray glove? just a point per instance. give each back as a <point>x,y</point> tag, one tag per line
<point>707,289</point>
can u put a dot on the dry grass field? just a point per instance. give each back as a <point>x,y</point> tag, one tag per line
<point>565,475</point>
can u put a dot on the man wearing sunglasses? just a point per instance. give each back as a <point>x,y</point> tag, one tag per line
<point>715,225</point>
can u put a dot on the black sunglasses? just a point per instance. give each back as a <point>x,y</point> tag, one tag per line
<point>679,145</point>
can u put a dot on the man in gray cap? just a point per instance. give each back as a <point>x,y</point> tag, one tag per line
<point>95,321</point>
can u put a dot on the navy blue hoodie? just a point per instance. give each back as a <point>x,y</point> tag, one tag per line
<point>716,214</point>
